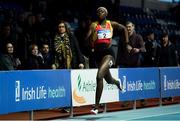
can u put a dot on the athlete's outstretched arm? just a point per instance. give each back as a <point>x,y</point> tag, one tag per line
<point>121,27</point>
<point>125,32</point>
<point>89,37</point>
<point>89,32</point>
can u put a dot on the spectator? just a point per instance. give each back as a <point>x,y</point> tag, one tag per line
<point>34,61</point>
<point>132,57</point>
<point>81,33</point>
<point>8,61</point>
<point>152,50</point>
<point>47,57</point>
<point>67,51</point>
<point>168,55</point>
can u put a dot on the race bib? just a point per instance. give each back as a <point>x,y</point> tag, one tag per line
<point>104,34</point>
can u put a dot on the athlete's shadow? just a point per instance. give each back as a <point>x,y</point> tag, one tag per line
<point>93,118</point>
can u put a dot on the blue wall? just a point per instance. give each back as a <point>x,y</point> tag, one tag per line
<point>43,89</point>
<point>32,90</point>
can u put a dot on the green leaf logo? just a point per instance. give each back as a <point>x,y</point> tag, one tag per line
<point>79,82</point>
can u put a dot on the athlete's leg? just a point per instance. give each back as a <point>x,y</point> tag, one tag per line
<point>108,77</point>
<point>103,72</point>
<point>110,80</point>
<point>99,79</point>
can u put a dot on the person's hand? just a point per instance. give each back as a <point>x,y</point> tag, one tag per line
<point>18,62</point>
<point>135,50</point>
<point>53,66</point>
<point>129,48</point>
<point>81,66</point>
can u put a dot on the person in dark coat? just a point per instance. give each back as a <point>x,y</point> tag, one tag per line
<point>168,55</point>
<point>152,50</point>
<point>34,61</point>
<point>8,61</point>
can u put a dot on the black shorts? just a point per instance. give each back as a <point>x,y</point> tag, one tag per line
<point>100,53</point>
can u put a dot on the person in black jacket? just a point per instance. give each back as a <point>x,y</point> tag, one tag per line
<point>34,61</point>
<point>152,50</point>
<point>8,60</point>
<point>168,55</point>
<point>47,56</point>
